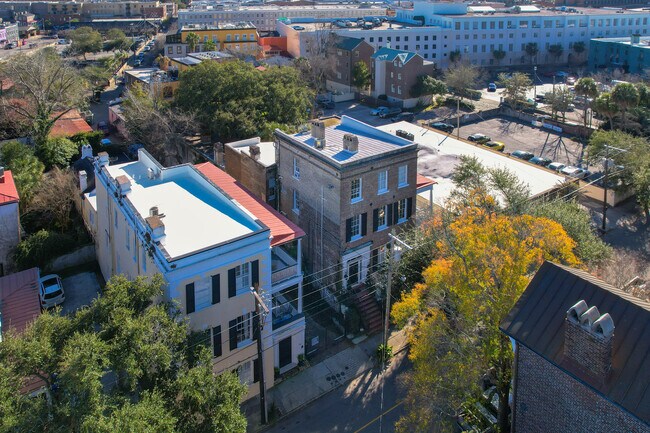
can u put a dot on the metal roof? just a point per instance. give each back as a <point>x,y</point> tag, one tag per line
<point>8,191</point>
<point>19,303</point>
<point>538,320</point>
<point>390,54</point>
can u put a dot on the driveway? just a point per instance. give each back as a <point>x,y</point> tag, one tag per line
<point>80,289</point>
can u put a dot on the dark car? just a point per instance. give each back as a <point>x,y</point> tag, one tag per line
<point>479,138</point>
<point>540,160</point>
<point>522,154</point>
<point>446,127</point>
<point>326,104</point>
<point>492,87</point>
<point>406,117</point>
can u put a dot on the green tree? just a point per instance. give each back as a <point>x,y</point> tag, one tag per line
<point>192,41</point>
<point>86,40</point>
<point>588,89</point>
<point>605,106</point>
<point>47,88</point>
<point>515,86</point>
<point>579,48</point>
<point>556,50</point>
<point>498,55</point>
<point>625,96</point>
<point>57,152</point>
<point>361,76</point>
<point>461,78</point>
<point>531,49</point>
<point>118,40</point>
<point>97,76</point>
<point>25,167</point>
<point>559,100</point>
<point>122,364</point>
<point>427,85</point>
<point>209,46</point>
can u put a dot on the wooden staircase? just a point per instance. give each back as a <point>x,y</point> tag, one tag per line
<point>369,310</point>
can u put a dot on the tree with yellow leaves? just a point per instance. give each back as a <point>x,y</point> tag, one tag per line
<point>486,260</point>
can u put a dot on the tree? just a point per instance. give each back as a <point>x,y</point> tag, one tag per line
<point>579,48</point>
<point>118,40</point>
<point>97,76</point>
<point>559,100</point>
<point>460,78</point>
<point>531,49</point>
<point>192,41</point>
<point>163,62</point>
<point>122,364</point>
<point>47,87</point>
<point>26,169</point>
<point>605,105</point>
<point>498,55</point>
<point>455,56</point>
<point>361,76</point>
<point>515,86</point>
<point>54,199</point>
<point>57,152</point>
<point>625,96</point>
<point>556,50</point>
<point>427,85</point>
<point>209,46</point>
<point>86,40</point>
<point>588,89</point>
<point>485,263</point>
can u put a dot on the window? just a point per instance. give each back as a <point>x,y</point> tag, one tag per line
<point>216,341</point>
<point>355,191</point>
<point>243,277</point>
<point>244,371</point>
<point>382,218</point>
<point>402,178</point>
<point>296,168</point>
<point>296,202</point>
<point>402,214</point>
<point>243,330</point>
<point>382,182</point>
<point>355,227</point>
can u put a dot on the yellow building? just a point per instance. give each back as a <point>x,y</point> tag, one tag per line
<point>231,37</point>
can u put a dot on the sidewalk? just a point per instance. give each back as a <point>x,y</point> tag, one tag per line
<point>298,391</point>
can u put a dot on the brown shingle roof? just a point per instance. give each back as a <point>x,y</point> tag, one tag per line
<point>538,322</point>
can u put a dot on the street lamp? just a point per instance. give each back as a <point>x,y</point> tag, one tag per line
<point>534,83</point>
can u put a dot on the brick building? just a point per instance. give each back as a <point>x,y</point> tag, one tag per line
<point>582,360</point>
<point>347,185</point>
<point>347,52</point>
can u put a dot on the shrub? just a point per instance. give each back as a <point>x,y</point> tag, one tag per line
<point>41,247</point>
<point>57,152</point>
<point>25,167</point>
<point>93,138</point>
<point>384,353</point>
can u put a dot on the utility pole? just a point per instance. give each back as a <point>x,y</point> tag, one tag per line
<point>261,311</point>
<point>604,226</point>
<point>457,120</point>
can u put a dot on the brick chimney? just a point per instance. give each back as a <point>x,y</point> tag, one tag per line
<point>83,180</point>
<point>318,129</point>
<point>255,151</point>
<point>351,143</point>
<point>86,151</point>
<point>157,227</point>
<point>588,339</point>
<point>103,159</point>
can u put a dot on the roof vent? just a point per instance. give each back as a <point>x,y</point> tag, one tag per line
<point>153,211</point>
<point>319,143</point>
<point>351,143</point>
<point>123,184</point>
<point>577,310</point>
<point>157,228</point>
<point>589,317</point>
<point>318,129</point>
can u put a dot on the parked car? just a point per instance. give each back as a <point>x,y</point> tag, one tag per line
<point>404,117</point>
<point>390,112</point>
<point>137,63</point>
<point>326,104</point>
<point>479,138</point>
<point>103,126</point>
<point>147,48</point>
<point>540,160</point>
<point>578,173</point>
<point>540,98</point>
<point>115,101</point>
<point>133,149</point>
<point>522,154</point>
<point>62,42</point>
<point>445,127</point>
<point>378,110</point>
<point>571,81</point>
<point>492,87</point>
<point>298,28</point>
<point>10,46</point>
<point>496,145</point>
<point>556,166</point>
<point>51,291</point>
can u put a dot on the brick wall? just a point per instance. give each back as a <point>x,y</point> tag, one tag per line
<point>547,400</point>
<point>250,173</point>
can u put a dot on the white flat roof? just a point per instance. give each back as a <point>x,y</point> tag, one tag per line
<point>440,153</point>
<point>267,149</point>
<point>197,215</point>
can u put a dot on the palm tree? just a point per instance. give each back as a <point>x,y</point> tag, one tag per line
<point>454,56</point>
<point>209,46</point>
<point>532,50</point>
<point>192,40</point>
<point>626,96</point>
<point>606,107</point>
<point>587,88</point>
<point>498,55</point>
<point>579,48</point>
<point>556,51</point>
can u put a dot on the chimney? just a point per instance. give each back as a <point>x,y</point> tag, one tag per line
<point>255,151</point>
<point>123,184</point>
<point>351,143</point>
<point>318,129</point>
<point>588,339</point>
<point>2,174</point>
<point>635,39</point>
<point>157,227</point>
<point>103,159</point>
<point>86,151</point>
<point>218,150</point>
<point>83,180</point>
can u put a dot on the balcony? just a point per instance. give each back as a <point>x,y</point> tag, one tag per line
<point>284,262</point>
<point>285,307</point>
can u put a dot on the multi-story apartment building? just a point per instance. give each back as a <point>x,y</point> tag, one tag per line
<point>265,17</point>
<point>347,185</point>
<point>234,37</point>
<point>211,241</point>
<point>630,55</point>
<point>8,34</point>
<point>124,9</point>
<point>434,30</point>
<point>346,53</point>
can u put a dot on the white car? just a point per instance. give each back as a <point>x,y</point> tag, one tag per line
<point>556,166</point>
<point>576,172</point>
<point>51,291</point>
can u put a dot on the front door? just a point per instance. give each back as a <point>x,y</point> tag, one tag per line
<point>285,351</point>
<point>354,268</point>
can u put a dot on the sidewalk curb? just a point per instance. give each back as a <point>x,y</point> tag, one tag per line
<point>307,403</point>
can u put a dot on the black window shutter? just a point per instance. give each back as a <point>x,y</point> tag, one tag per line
<point>216,289</point>
<point>375,220</point>
<point>389,214</point>
<point>255,271</point>
<point>256,370</point>
<point>232,283</point>
<point>409,207</point>
<point>364,223</point>
<point>232,326</point>
<point>348,230</point>
<point>395,212</point>
<point>216,341</point>
<point>189,298</point>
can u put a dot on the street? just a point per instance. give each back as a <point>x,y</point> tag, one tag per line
<point>354,408</point>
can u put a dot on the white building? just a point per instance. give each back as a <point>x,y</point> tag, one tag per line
<point>434,30</point>
<point>211,243</point>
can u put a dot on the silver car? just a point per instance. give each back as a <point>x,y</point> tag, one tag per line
<point>51,291</point>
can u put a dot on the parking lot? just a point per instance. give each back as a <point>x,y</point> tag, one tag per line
<point>80,289</point>
<point>517,135</point>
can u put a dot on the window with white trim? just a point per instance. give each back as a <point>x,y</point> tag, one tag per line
<point>402,176</point>
<point>382,182</point>
<point>244,330</point>
<point>296,202</point>
<point>401,211</point>
<point>245,373</point>
<point>382,218</point>
<point>355,227</point>
<point>296,168</point>
<point>355,191</point>
<point>242,278</point>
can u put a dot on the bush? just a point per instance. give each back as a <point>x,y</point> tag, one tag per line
<point>473,94</point>
<point>57,152</point>
<point>93,138</point>
<point>384,353</point>
<point>41,247</point>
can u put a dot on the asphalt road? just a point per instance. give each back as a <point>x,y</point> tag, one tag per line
<point>355,408</point>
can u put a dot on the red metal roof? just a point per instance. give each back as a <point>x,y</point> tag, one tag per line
<point>423,181</point>
<point>282,230</point>
<point>19,302</point>
<point>71,123</point>
<point>8,191</point>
